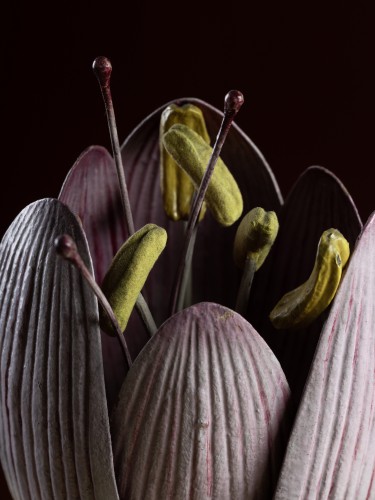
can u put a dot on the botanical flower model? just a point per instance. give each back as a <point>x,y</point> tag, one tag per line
<point>199,405</point>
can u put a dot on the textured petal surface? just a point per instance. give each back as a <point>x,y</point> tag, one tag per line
<point>202,413</point>
<point>54,428</point>
<point>91,192</point>
<point>331,452</point>
<point>215,276</point>
<point>317,202</point>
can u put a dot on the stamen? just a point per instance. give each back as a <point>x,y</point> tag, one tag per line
<point>103,68</point>
<point>192,154</point>
<point>129,270</point>
<point>232,104</point>
<point>254,238</point>
<point>66,248</point>
<point>300,307</point>
<point>176,185</point>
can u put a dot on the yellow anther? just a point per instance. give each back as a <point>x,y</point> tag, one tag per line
<point>300,307</point>
<point>254,237</point>
<point>192,153</point>
<point>177,187</point>
<point>128,273</point>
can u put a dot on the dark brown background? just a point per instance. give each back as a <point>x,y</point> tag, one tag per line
<point>306,71</point>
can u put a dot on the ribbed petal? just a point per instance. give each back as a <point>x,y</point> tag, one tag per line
<point>215,276</point>
<point>202,413</point>
<point>91,191</point>
<point>54,429</point>
<point>317,202</point>
<point>331,451</point>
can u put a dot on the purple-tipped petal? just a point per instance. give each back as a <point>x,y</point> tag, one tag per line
<point>91,191</point>
<point>317,202</point>
<point>331,451</point>
<point>54,429</point>
<point>202,413</point>
<point>215,276</point>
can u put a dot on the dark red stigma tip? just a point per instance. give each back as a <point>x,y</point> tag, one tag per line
<point>233,101</point>
<point>65,246</point>
<point>102,68</point>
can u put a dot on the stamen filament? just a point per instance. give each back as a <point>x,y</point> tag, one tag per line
<point>245,286</point>
<point>232,104</point>
<point>66,248</point>
<point>102,68</point>
<point>145,314</point>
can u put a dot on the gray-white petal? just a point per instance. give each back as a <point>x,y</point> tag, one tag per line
<point>54,431</point>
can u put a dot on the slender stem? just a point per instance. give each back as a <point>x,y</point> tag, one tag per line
<point>66,247</point>
<point>146,315</point>
<point>186,277</point>
<point>102,68</point>
<point>232,104</point>
<point>245,286</point>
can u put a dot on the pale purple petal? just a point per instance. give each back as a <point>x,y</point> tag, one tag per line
<point>202,413</point>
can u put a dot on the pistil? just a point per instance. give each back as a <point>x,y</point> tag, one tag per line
<point>103,69</point>
<point>232,104</point>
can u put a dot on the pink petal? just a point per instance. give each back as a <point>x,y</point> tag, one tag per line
<point>202,413</point>
<point>91,191</point>
<point>331,451</point>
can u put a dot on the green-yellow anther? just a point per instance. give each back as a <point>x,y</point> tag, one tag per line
<point>128,273</point>
<point>192,153</point>
<point>177,187</point>
<point>255,236</point>
<point>298,308</point>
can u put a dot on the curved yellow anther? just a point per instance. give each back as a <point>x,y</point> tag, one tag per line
<point>255,236</point>
<point>192,153</point>
<point>298,308</point>
<point>128,273</point>
<point>177,187</point>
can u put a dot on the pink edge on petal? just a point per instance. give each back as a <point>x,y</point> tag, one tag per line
<point>330,452</point>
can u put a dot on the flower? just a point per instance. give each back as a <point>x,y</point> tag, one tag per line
<point>205,410</point>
